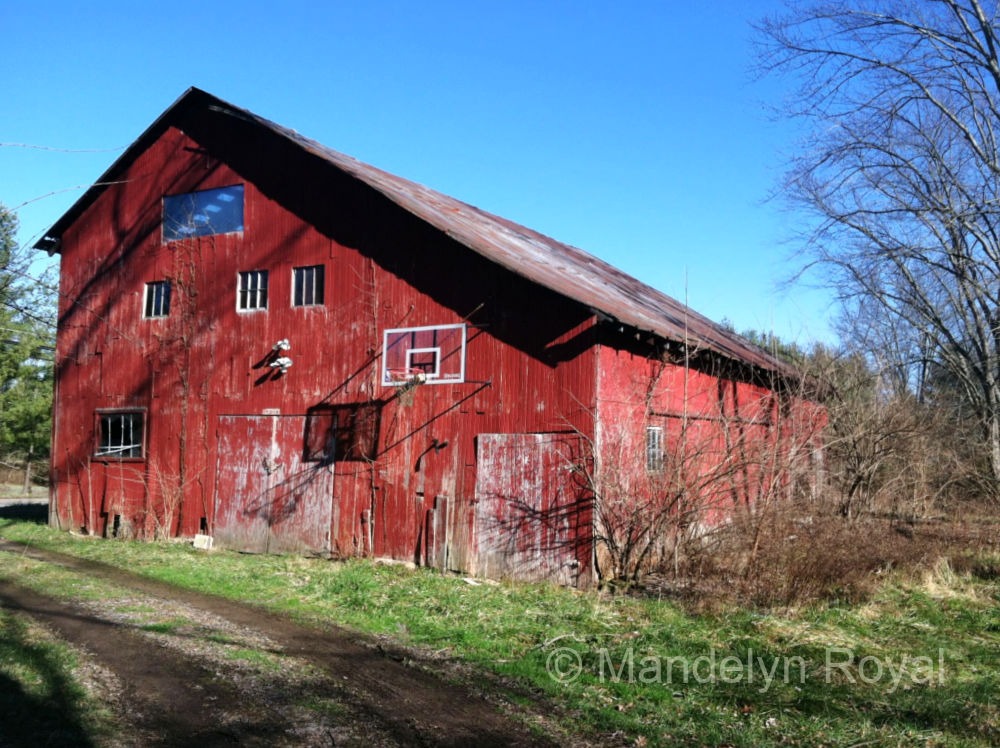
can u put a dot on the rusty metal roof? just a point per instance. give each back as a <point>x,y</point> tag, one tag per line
<point>560,267</point>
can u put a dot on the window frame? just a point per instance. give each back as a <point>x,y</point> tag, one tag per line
<point>316,289</point>
<point>169,227</point>
<point>107,413</point>
<point>148,303</point>
<point>654,449</point>
<point>240,291</point>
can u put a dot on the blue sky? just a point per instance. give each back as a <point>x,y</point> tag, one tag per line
<point>631,130</point>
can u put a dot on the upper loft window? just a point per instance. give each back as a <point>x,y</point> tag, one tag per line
<point>307,286</point>
<point>252,290</point>
<point>218,211</point>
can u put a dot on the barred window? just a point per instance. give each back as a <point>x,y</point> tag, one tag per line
<point>307,286</point>
<point>120,435</point>
<point>157,299</point>
<point>252,290</point>
<point>654,448</point>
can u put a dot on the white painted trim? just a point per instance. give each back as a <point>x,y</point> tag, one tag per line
<point>437,377</point>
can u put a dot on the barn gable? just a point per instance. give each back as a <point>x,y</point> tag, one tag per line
<point>541,259</point>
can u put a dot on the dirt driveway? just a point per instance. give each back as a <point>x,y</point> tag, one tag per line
<point>217,672</point>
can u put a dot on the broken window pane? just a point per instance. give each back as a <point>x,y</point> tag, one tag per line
<point>120,435</point>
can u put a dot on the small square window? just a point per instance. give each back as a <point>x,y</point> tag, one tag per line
<point>120,435</point>
<point>252,290</point>
<point>307,286</point>
<point>654,448</point>
<point>157,299</point>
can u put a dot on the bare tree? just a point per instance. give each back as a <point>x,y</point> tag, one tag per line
<point>902,176</point>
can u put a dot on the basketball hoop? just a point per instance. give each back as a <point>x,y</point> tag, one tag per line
<point>408,380</point>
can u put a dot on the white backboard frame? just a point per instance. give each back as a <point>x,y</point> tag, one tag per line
<point>394,377</point>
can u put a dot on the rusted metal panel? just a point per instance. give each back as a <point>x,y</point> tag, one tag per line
<point>529,507</point>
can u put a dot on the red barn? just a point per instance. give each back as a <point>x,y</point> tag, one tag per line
<point>269,342</point>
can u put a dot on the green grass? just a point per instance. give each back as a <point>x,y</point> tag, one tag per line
<point>41,698</point>
<point>260,660</point>
<point>173,626</point>
<point>944,631</point>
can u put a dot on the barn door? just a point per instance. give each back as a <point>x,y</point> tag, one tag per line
<point>530,513</point>
<point>267,500</point>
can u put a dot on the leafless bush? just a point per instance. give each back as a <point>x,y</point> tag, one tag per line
<point>721,446</point>
<point>814,495</point>
<point>811,552</point>
<point>891,451</point>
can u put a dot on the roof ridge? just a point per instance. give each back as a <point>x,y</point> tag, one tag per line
<point>560,267</point>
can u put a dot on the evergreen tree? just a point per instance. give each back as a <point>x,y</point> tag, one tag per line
<point>27,334</point>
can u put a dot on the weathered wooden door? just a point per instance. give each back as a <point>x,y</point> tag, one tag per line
<point>531,511</point>
<point>267,500</point>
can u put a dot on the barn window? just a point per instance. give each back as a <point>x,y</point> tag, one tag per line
<point>252,290</point>
<point>307,286</point>
<point>654,448</point>
<point>120,435</point>
<point>157,302</point>
<point>218,211</point>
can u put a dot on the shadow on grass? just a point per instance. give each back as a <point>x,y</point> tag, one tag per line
<point>38,513</point>
<point>52,715</point>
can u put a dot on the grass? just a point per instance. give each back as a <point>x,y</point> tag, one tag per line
<point>16,490</point>
<point>260,660</point>
<point>914,665</point>
<point>42,699</point>
<point>173,626</point>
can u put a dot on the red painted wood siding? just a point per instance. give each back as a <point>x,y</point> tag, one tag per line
<point>729,441</point>
<point>530,362</point>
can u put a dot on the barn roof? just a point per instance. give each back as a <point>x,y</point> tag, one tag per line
<point>560,267</point>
